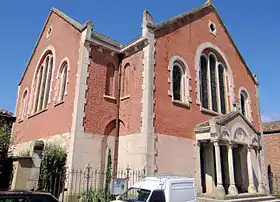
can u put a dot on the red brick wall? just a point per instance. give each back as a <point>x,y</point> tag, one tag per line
<point>57,119</point>
<point>99,111</point>
<point>183,40</point>
<point>131,108</point>
<point>271,144</point>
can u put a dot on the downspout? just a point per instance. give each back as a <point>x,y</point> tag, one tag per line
<point>118,99</point>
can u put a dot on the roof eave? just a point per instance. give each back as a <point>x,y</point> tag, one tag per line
<point>72,22</point>
<point>233,43</point>
<point>195,10</point>
<point>183,15</point>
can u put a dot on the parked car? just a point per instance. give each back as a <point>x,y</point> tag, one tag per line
<point>161,189</point>
<point>26,196</point>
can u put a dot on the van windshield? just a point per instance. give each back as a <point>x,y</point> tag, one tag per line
<point>135,195</point>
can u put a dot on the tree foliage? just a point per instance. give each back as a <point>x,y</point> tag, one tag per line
<point>5,136</point>
<point>108,175</point>
<point>53,170</point>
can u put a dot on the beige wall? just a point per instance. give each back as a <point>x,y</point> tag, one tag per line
<point>91,149</point>
<point>132,151</point>
<point>176,155</point>
<point>59,139</point>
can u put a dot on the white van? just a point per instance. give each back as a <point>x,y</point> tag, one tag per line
<point>161,189</point>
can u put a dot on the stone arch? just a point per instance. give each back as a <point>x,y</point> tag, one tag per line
<point>184,68</point>
<point>109,130</point>
<point>58,74</point>
<point>226,134</point>
<point>255,142</point>
<point>240,134</point>
<point>49,49</point>
<point>243,90</point>
<point>199,52</point>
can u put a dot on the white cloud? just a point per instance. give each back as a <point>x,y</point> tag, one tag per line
<point>270,117</point>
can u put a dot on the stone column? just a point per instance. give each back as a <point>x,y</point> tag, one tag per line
<point>251,188</point>
<point>220,191</point>
<point>261,188</point>
<point>232,188</point>
<point>198,168</point>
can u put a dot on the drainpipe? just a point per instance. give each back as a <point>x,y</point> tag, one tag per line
<point>118,99</point>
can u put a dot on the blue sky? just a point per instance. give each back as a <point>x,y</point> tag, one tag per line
<point>254,26</point>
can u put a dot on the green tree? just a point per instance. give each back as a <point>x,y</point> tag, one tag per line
<point>53,170</point>
<point>5,136</point>
<point>108,175</point>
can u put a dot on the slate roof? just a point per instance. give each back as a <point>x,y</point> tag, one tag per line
<point>271,127</point>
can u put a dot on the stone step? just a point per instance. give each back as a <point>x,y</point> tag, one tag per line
<point>249,199</point>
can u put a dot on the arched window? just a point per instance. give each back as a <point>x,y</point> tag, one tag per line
<point>179,80</point>
<point>23,105</point>
<point>245,103</point>
<point>127,79</point>
<point>62,81</point>
<point>110,80</point>
<point>212,63</point>
<point>204,81</point>
<point>43,78</point>
<point>213,82</point>
<point>221,74</point>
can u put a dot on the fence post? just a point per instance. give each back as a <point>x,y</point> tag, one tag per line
<point>88,178</point>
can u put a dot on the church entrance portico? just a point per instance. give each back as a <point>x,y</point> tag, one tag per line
<point>228,151</point>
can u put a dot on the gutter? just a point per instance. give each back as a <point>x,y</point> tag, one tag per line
<point>118,99</point>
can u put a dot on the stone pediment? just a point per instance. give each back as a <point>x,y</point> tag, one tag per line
<point>233,127</point>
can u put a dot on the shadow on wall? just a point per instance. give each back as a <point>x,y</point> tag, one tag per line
<point>110,131</point>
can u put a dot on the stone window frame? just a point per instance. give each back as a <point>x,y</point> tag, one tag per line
<point>113,85</point>
<point>49,32</point>
<point>185,83</point>
<point>230,94</point>
<point>217,82</point>
<point>214,32</point>
<point>248,104</point>
<point>49,50</point>
<point>126,75</point>
<point>65,63</point>
<point>24,104</point>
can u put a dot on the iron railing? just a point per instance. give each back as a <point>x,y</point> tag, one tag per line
<point>77,185</point>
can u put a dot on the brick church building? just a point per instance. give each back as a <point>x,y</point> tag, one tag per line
<point>178,99</point>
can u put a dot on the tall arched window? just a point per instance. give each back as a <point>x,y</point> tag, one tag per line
<point>221,74</point>
<point>213,82</point>
<point>43,78</point>
<point>212,63</point>
<point>245,103</point>
<point>110,80</point>
<point>204,81</point>
<point>24,102</point>
<point>62,81</point>
<point>178,82</point>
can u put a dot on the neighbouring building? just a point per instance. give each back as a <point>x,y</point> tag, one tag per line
<point>271,143</point>
<point>6,122</point>
<point>178,99</point>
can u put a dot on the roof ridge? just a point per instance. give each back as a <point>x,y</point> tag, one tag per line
<point>194,10</point>
<point>70,20</point>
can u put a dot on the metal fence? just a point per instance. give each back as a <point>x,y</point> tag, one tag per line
<point>75,185</point>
